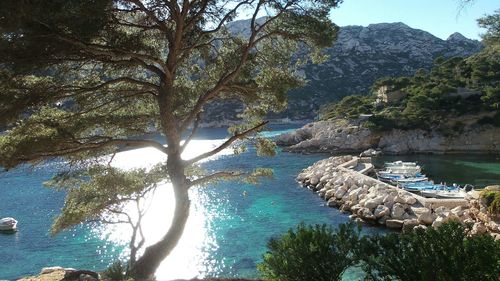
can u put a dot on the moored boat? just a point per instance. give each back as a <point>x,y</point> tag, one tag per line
<point>8,224</point>
<point>410,179</point>
<point>444,194</point>
<point>400,164</point>
<point>400,178</point>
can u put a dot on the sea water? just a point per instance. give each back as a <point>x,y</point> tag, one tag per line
<point>229,224</point>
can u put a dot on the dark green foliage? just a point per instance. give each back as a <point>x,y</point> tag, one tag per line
<point>100,192</point>
<point>492,201</point>
<point>115,272</point>
<point>348,107</point>
<point>442,254</point>
<point>394,83</point>
<point>495,120</point>
<point>492,24</point>
<point>311,253</point>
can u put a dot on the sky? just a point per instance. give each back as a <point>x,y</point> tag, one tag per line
<point>439,17</point>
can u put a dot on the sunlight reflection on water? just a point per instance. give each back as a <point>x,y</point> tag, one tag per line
<point>190,257</point>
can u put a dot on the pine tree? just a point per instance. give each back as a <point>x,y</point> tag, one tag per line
<point>85,79</point>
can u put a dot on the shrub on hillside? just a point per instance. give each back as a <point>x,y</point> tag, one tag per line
<point>492,201</point>
<point>317,253</point>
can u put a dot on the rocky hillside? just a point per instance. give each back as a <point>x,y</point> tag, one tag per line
<point>337,136</point>
<point>359,57</point>
<point>363,54</point>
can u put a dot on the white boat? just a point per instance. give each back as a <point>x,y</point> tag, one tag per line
<point>411,180</point>
<point>400,164</point>
<point>445,194</point>
<point>397,172</point>
<point>8,224</point>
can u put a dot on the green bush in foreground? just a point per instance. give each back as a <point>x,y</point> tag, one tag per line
<point>310,253</point>
<point>442,254</point>
<point>445,253</point>
<point>116,271</point>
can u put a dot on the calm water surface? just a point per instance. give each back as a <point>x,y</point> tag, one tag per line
<point>229,224</point>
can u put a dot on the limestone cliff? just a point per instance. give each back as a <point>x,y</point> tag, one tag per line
<point>348,136</point>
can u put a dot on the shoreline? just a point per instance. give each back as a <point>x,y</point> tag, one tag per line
<point>351,136</point>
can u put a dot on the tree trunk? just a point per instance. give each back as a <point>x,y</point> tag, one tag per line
<point>145,267</point>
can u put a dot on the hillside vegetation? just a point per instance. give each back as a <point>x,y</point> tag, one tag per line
<point>435,99</point>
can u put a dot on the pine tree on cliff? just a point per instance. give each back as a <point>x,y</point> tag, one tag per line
<point>79,78</point>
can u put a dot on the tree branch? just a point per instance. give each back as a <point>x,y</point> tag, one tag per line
<point>215,176</point>
<point>193,132</point>
<point>226,144</point>
<point>116,81</point>
<point>90,145</point>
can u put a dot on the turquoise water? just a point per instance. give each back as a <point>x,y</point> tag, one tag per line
<point>229,224</point>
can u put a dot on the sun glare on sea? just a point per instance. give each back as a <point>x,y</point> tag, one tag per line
<point>188,259</point>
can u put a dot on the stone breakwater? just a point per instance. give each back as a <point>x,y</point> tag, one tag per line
<point>352,136</point>
<point>375,202</point>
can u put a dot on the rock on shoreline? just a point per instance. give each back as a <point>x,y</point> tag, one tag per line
<point>57,273</point>
<point>378,203</point>
<point>351,136</point>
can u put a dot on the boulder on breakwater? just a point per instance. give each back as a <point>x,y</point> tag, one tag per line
<point>375,202</point>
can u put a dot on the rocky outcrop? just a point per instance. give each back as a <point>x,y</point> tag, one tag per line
<point>374,202</point>
<point>345,136</point>
<point>57,273</point>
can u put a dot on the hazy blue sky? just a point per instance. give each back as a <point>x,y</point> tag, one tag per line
<point>439,17</point>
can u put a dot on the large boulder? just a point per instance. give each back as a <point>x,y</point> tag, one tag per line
<point>398,211</point>
<point>426,218</point>
<point>354,193</point>
<point>314,180</point>
<point>438,222</point>
<point>340,193</point>
<point>479,228</point>
<point>396,224</point>
<point>410,200</point>
<point>333,202</point>
<point>373,203</point>
<point>409,224</point>
<point>440,211</point>
<point>329,194</point>
<point>458,211</point>
<point>381,211</point>
<point>366,214</point>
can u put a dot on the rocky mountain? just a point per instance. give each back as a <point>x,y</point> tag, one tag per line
<point>359,57</point>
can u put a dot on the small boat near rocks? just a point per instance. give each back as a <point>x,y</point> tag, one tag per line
<point>444,194</point>
<point>400,170</point>
<point>396,178</point>
<point>410,179</point>
<point>400,164</point>
<point>8,225</point>
<point>402,167</point>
